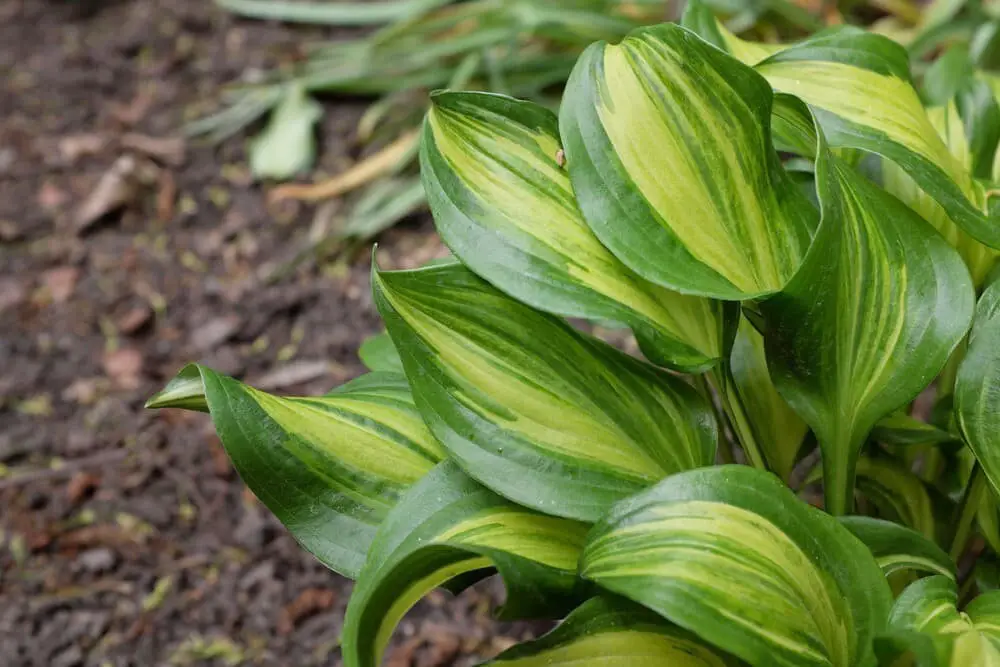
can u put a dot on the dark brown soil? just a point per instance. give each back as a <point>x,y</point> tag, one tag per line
<point>127,539</point>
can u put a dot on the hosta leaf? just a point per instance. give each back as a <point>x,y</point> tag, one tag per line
<point>331,467</point>
<point>378,354</point>
<point>977,385</point>
<point>929,607</point>
<point>533,409</point>
<point>777,428</point>
<point>869,320</point>
<point>840,74</point>
<point>900,428</point>
<point>898,494</point>
<point>949,126</point>
<point>669,150</point>
<point>449,526</point>
<point>287,145</point>
<point>612,632</point>
<point>503,203</point>
<point>732,555</point>
<point>897,547</point>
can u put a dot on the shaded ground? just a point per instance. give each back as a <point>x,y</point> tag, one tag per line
<point>126,538</point>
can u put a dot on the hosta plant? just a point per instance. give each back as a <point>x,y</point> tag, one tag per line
<point>801,468</point>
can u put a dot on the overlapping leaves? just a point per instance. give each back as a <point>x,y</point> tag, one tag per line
<point>531,408</point>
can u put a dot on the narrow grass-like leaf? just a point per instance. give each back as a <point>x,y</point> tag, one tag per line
<point>503,203</point>
<point>449,526</point>
<point>929,607</point>
<point>613,632</point>
<point>330,468</point>
<point>840,74</point>
<point>897,547</point>
<point>533,409</point>
<point>332,13</point>
<point>867,323</point>
<point>977,385</point>
<point>777,428</point>
<point>669,150</point>
<point>732,555</point>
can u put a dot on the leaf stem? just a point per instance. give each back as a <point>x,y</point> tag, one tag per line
<point>737,414</point>
<point>838,481</point>
<point>966,511</point>
<point>725,450</point>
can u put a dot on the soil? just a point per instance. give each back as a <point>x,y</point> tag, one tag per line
<point>125,251</point>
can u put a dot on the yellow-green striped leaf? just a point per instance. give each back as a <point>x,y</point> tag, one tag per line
<point>858,86</point>
<point>928,609</point>
<point>497,185</point>
<point>669,150</point>
<point>897,547</point>
<point>977,385</point>
<point>777,428</point>
<point>732,555</point>
<point>448,528</point>
<point>613,632</point>
<point>950,127</point>
<point>900,428</point>
<point>897,493</point>
<point>868,321</point>
<point>330,467</point>
<point>531,408</point>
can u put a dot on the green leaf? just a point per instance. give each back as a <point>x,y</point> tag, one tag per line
<point>977,385</point>
<point>332,13</point>
<point>732,555</point>
<point>449,526</point>
<point>960,639</point>
<point>777,428</point>
<point>287,145</point>
<point>897,547</point>
<point>503,203</point>
<point>869,320</point>
<point>901,429</point>
<point>613,632</point>
<point>330,468</point>
<point>533,409</point>
<point>378,353</point>
<point>858,87</point>
<point>948,125</point>
<point>898,494</point>
<point>669,150</point>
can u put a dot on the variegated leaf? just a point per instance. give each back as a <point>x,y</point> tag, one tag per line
<point>732,555</point>
<point>330,467</point>
<point>839,74</point>
<point>669,150</point>
<point>897,547</point>
<point>613,632</point>
<point>533,409</point>
<point>901,429</point>
<point>450,528</point>
<point>977,385</point>
<point>950,127</point>
<point>928,608</point>
<point>502,201</point>
<point>897,493</point>
<point>778,430</point>
<point>868,321</point>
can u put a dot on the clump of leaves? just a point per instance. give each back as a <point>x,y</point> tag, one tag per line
<point>786,316</point>
<point>525,49</point>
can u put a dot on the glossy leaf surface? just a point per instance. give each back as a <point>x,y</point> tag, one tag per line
<point>502,201</point>
<point>867,323</point>
<point>540,413</point>
<point>448,527</point>
<point>732,555</point>
<point>330,468</point>
<point>669,150</point>
<point>897,547</point>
